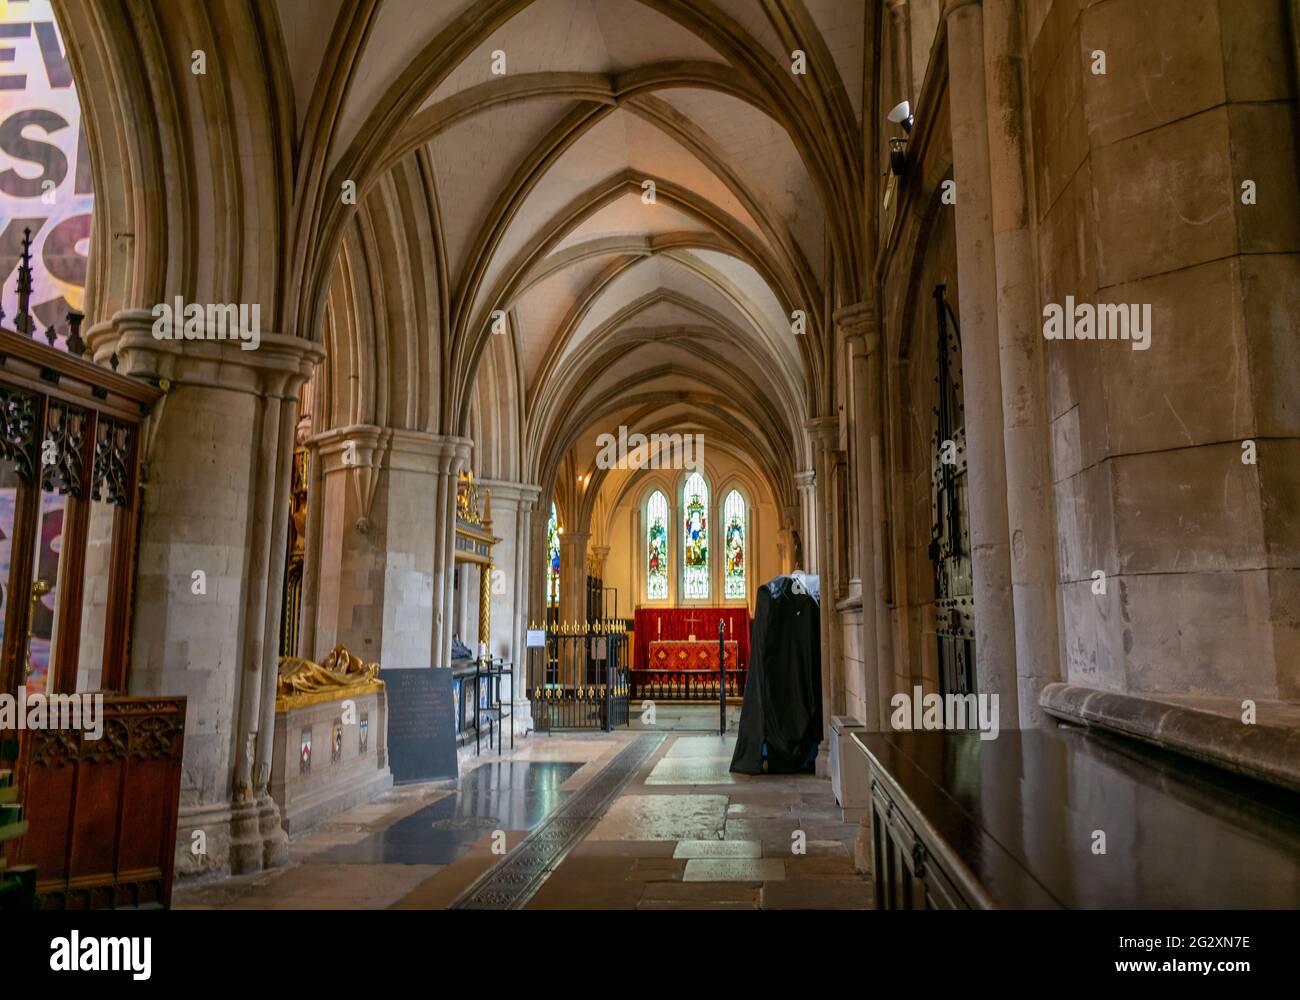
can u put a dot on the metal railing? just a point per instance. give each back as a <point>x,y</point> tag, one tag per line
<point>686,685</point>
<point>483,689</point>
<point>580,679</point>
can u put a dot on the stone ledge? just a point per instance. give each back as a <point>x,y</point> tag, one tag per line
<point>324,804</point>
<point>1268,751</point>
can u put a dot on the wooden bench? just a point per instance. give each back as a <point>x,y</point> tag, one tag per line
<point>1071,819</point>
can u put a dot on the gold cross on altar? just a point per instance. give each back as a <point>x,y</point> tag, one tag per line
<point>691,618</point>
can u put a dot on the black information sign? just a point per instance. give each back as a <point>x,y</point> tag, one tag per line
<point>421,724</point>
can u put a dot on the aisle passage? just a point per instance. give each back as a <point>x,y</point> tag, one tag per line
<point>620,820</point>
<point>690,835</point>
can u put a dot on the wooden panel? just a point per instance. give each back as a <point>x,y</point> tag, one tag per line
<point>144,818</point>
<point>48,852</point>
<point>1011,823</point>
<point>940,893</point>
<point>102,813</point>
<point>94,818</point>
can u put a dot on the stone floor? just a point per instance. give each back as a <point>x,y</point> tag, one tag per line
<point>683,718</point>
<point>683,832</point>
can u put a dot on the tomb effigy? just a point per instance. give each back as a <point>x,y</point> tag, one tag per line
<point>331,737</point>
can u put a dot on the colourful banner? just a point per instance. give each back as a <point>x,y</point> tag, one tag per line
<point>45,180</point>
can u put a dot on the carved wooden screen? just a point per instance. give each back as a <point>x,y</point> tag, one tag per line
<point>69,458</point>
<point>100,802</point>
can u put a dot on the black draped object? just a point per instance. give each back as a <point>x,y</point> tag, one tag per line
<point>783,690</point>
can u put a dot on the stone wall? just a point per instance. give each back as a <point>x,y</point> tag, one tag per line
<point>1138,174</point>
<point>857,699</point>
<point>1128,182</point>
<point>351,564</point>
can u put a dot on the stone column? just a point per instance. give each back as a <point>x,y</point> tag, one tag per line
<point>995,650</point>
<point>213,533</point>
<point>824,432</point>
<point>528,495</point>
<point>410,474</point>
<point>599,553</point>
<point>901,42</point>
<point>450,459</point>
<point>868,411</point>
<point>349,568</point>
<point>512,514</point>
<point>464,604</point>
<point>886,678</point>
<point>373,587</point>
<point>1027,433</point>
<point>805,554</point>
<point>859,322</point>
<point>573,575</point>
<point>538,594</point>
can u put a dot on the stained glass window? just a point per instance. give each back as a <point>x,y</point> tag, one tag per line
<point>733,575</point>
<point>695,542</point>
<point>553,559</point>
<point>656,547</point>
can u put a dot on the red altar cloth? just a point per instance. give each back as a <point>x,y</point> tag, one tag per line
<point>681,654</point>
<point>653,624</point>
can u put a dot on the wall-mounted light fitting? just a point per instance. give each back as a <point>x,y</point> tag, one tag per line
<point>902,115</point>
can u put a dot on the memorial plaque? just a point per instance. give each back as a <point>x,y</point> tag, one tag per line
<point>421,724</point>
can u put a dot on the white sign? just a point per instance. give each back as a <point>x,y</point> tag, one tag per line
<point>536,638</point>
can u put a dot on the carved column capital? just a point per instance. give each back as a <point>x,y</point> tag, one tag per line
<point>360,451</point>
<point>523,494</point>
<point>861,327</point>
<point>277,367</point>
<point>824,431</point>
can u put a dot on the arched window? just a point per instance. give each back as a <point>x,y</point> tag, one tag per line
<point>695,538</point>
<point>733,550</point>
<point>656,547</point>
<point>553,559</point>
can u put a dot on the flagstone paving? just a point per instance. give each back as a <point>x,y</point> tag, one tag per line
<point>683,833</point>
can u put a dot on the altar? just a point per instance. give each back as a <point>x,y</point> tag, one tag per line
<point>687,654</point>
<point>675,653</point>
<point>684,625</point>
